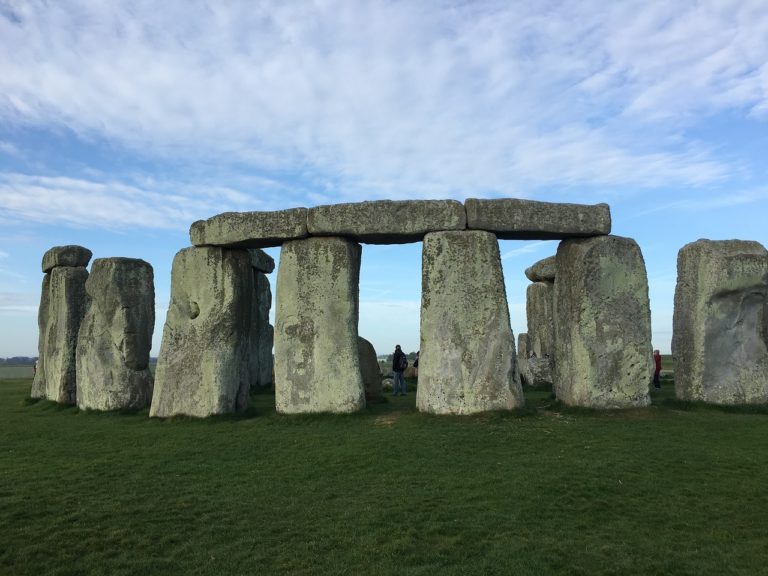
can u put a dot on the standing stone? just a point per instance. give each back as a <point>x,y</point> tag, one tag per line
<point>66,303</point>
<point>262,333</point>
<point>720,325</point>
<point>317,363</point>
<point>539,307</point>
<point>116,336</point>
<point>370,370</point>
<point>602,324</point>
<point>38,384</point>
<point>203,366</point>
<point>522,358</point>
<point>467,362</point>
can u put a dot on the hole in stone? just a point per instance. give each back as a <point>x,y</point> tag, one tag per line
<point>194,310</point>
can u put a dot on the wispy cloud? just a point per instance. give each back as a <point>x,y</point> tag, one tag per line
<point>708,203</point>
<point>395,99</point>
<point>527,248</point>
<point>3,254</point>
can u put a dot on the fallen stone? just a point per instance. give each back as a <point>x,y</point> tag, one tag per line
<point>514,219</point>
<point>467,362</point>
<point>71,256</point>
<point>720,334</point>
<point>250,229</point>
<point>542,271</point>
<point>56,377</point>
<point>370,371</point>
<point>116,336</point>
<point>386,221</point>
<point>602,324</point>
<point>203,367</point>
<point>539,307</point>
<point>317,363</point>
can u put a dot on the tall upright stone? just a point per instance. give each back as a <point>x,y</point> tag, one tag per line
<point>467,362</point>
<point>62,305</point>
<point>370,370</point>
<point>720,326</point>
<point>317,365</point>
<point>203,367</point>
<point>522,359</point>
<point>262,333</point>
<point>602,324</point>
<point>116,336</point>
<point>539,307</point>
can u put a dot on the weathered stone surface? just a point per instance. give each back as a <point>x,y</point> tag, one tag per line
<point>467,362</point>
<point>317,363</point>
<point>539,307</point>
<point>38,384</point>
<point>602,324</point>
<point>720,325</point>
<point>72,256</point>
<point>543,270</point>
<point>116,336</point>
<point>262,261</point>
<point>66,301</point>
<point>250,229</point>
<point>522,345</point>
<point>262,333</point>
<point>522,358</point>
<point>539,371</point>
<point>370,371</point>
<point>386,221</point>
<point>203,367</point>
<point>514,219</point>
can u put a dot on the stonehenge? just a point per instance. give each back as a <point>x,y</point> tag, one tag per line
<point>115,336</point>
<point>602,324</point>
<point>63,301</point>
<point>587,309</point>
<point>720,324</point>
<point>468,361</point>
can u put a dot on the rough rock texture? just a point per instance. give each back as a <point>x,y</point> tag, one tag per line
<point>513,219</point>
<point>522,358</point>
<point>467,362</point>
<point>116,336</point>
<point>262,261</point>
<point>71,256</point>
<point>38,384</point>
<point>720,326</point>
<point>602,324</point>
<point>543,270</point>
<point>386,221</point>
<point>369,368</point>
<point>539,371</point>
<point>317,363</point>
<point>203,367</point>
<point>539,307</point>
<point>250,229</point>
<point>65,301</point>
<point>262,333</point>
<point>522,345</point>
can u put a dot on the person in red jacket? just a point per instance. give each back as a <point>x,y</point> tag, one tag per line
<point>657,369</point>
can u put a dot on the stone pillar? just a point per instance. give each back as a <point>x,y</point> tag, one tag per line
<point>262,332</point>
<point>62,306</point>
<point>116,336</point>
<point>720,326</point>
<point>370,370</point>
<point>539,308</point>
<point>203,367</point>
<point>602,324</point>
<point>467,362</point>
<point>317,365</point>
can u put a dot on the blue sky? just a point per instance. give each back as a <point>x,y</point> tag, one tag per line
<point>123,122</point>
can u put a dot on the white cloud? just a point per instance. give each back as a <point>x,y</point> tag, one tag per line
<point>395,99</point>
<point>527,248</point>
<point>3,254</point>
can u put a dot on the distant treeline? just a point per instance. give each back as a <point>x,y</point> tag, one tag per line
<point>15,360</point>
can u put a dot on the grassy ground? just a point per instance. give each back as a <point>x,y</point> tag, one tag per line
<point>672,489</point>
<point>14,372</point>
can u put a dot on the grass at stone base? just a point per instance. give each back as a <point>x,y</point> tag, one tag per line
<point>546,490</point>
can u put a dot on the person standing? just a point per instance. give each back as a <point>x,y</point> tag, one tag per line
<point>399,364</point>
<point>657,369</point>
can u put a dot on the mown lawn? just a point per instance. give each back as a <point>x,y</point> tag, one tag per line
<point>672,489</point>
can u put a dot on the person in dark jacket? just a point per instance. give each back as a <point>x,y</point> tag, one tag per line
<point>399,364</point>
<point>657,369</point>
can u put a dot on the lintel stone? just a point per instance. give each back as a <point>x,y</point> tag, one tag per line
<point>386,221</point>
<point>515,219</point>
<point>71,256</point>
<point>250,229</point>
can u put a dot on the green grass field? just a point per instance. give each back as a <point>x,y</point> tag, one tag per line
<point>672,489</point>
